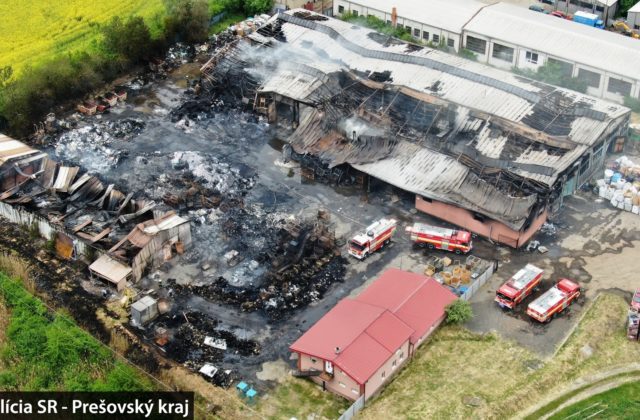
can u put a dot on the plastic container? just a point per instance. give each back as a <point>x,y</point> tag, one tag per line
<point>616,177</point>
<point>608,173</point>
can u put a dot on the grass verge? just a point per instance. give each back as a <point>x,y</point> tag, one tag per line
<point>44,351</point>
<point>622,402</point>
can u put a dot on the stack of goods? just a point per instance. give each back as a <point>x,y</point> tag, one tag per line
<point>622,186</point>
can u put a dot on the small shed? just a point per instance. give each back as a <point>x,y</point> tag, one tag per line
<point>144,310</point>
<point>106,268</point>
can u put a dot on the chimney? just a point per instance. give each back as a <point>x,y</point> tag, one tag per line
<point>337,350</point>
<point>394,17</point>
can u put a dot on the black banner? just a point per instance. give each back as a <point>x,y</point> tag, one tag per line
<point>96,405</point>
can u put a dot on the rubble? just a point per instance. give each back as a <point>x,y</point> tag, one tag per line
<point>293,263</point>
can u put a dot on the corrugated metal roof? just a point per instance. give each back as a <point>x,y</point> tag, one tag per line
<point>635,8</point>
<point>561,38</point>
<point>450,15</point>
<point>11,149</point>
<point>110,269</point>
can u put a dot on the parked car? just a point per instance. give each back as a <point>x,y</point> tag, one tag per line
<point>560,14</point>
<point>635,302</point>
<point>551,2</point>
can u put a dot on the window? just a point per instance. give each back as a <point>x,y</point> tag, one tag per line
<point>394,364</point>
<point>355,391</point>
<point>400,354</point>
<point>313,360</point>
<point>416,33</point>
<point>565,68</point>
<point>591,78</point>
<point>599,9</point>
<point>436,38</point>
<point>425,35</point>
<point>619,86</point>
<point>408,28</point>
<point>531,57</point>
<point>451,43</point>
<point>502,52</point>
<point>476,45</point>
<point>342,385</point>
<point>383,374</point>
<point>340,9</point>
<point>354,12</point>
<point>388,22</point>
<point>574,2</point>
<point>586,5</point>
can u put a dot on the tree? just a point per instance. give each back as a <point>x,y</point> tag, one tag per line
<point>625,5</point>
<point>130,39</point>
<point>459,312</point>
<point>187,20</point>
<point>255,7</point>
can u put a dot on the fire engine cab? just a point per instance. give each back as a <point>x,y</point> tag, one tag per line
<point>554,300</point>
<point>458,241</point>
<point>519,286</point>
<point>376,236</point>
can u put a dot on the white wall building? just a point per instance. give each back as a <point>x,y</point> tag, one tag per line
<point>633,16</point>
<point>508,36</point>
<point>436,21</point>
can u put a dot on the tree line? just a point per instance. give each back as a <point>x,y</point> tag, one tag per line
<point>124,43</point>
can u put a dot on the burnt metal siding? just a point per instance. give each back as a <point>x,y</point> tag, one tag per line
<point>151,253</point>
<point>22,217</point>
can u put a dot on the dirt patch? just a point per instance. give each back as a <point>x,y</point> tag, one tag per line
<point>613,270</point>
<point>274,371</point>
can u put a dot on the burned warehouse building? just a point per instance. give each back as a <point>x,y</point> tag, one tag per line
<point>481,148</point>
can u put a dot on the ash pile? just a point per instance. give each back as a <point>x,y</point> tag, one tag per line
<point>201,180</point>
<point>273,263</point>
<point>91,145</point>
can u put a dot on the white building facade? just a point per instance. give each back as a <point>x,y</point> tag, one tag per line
<point>507,36</point>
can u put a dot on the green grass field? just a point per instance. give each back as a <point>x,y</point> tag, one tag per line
<point>34,31</point>
<point>618,403</point>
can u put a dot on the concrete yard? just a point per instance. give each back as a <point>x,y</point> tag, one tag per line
<point>594,245</point>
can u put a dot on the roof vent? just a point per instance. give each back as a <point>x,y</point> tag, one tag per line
<point>337,350</point>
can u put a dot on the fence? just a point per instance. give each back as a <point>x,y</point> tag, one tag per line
<point>479,282</point>
<point>22,217</point>
<point>355,407</point>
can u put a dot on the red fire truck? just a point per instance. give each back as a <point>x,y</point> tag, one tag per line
<point>458,241</point>
<point>554,300</point>
<point>376,236</point>
<point>519,286</point>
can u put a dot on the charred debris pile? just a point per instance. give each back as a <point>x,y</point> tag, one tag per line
<point>275,264</point>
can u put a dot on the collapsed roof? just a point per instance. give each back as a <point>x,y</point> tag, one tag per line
<point>428,122</point>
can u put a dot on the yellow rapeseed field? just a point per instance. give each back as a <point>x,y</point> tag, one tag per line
<point>33,31</point>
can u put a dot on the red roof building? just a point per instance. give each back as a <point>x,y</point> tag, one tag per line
<point>358,345</point>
